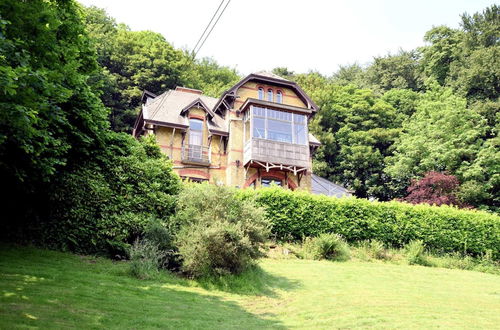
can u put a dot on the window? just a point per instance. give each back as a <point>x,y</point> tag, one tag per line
<point>279,97</point>
<point>191,179</point>
<point>267,182</point>
<point>270,95</point>
<point>279,125</point>
<point>261,93</point>
<point>195,132</point>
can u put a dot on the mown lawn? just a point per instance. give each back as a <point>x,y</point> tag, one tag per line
<point>49,289</point>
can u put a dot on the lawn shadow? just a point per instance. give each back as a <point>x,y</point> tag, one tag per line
<point>49,289</point>
<point>254,281</point>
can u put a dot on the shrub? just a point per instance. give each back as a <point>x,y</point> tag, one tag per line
<point>373,249</point>
<point>219,233</point>
<point>327,246</point>
<point>442,229</point>
<point>145,259</point>
<point>415,253</point>
<point>109,201</point>
<point>158,234</point>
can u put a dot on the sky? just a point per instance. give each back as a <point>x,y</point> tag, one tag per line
<point>300,35</point>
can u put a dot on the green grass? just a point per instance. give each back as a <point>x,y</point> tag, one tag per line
<point>47,289</point>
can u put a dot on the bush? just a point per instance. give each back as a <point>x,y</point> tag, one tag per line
<point>158,234</point>
<point>442,229</point>
<point>219,233</point>
<point>415,253</point>
<point>373,249</point>
<point>145,259</point>
<point>109,202</point>
<point>327,246</point>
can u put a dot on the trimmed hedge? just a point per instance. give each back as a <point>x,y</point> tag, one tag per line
<point>295,215</point>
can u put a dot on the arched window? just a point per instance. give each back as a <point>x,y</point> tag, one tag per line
<point>279,97</point>
<point>270,95</point>
<point>261,93</point>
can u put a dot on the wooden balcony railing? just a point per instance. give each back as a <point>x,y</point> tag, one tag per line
<point>196,154</point>
<point>268,151</point>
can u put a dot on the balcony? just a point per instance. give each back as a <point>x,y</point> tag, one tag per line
<point>275,154</point>
<point>195,154</point>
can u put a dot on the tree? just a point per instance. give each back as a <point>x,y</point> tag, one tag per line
<point>395,71</point>
<point>49,112</point>
<point>434,188</point>
<point>442,135</point>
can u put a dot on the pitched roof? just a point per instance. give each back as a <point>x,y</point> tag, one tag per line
<point>322,186</point>
<point>269,75</point>
<point>168,108</point>
<point>269,78</point>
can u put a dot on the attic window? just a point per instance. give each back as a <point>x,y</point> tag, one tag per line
<point>261,93</point>
<point>270,95</point>
<point>279,97</point>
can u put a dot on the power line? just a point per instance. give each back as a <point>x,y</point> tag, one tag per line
<point>213,16</point>
<point>208,34</point>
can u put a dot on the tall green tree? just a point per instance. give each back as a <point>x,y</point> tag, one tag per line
<point>50,115</point>
<point>443,135</point>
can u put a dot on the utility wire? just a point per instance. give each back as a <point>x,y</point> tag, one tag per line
<point>213,16</point>
<point>208,34</point>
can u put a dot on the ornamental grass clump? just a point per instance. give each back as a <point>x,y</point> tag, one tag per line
<point>415,253</point>
<point>327,246</point>
<point>218,233</point>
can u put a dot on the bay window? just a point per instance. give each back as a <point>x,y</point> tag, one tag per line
<point>277,125</point>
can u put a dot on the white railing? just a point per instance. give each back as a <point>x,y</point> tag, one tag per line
<point>196,154</point>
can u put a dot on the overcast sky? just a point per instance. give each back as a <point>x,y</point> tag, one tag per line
<point>301,35</point>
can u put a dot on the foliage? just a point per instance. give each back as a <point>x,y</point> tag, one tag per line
<point>219,233</point>
<point>145,259</point>
<point>434,188</point>
<point>327,246</point>
<point>50,115</point>
<point>136,60</point>
<point>373,249</point>
<point>442,135</point>
<point>111,199</point>
<point>399,71</point>
<point>299,214</point>
<point>415,253</point>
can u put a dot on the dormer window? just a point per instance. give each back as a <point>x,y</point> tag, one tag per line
<point>279,97</point>
<point>270,96</point>
<point>261,93</point>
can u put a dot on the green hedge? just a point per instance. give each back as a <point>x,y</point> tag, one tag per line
<point>295,215</point>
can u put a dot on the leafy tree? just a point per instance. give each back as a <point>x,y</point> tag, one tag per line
<point>442,135</point>
<point>49,113</point>
<point>395,71</point>
<point>213,79</point>
<point>351,74</point>
<point>434,188</point>
<point>357,130</point>
<point>136,60</point>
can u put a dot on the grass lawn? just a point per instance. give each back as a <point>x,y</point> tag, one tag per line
<point>47,289</point>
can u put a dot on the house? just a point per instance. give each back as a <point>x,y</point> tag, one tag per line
<point>254,135</point>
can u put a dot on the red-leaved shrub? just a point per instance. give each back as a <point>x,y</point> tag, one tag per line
<point>434,188</point>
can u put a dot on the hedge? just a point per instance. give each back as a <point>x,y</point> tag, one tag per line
<point>295,215</point>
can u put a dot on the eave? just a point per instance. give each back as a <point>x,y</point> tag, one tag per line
<point>278,106</point>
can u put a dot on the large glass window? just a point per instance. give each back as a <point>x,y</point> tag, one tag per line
<point>195,131</point>
<point>279,125</point>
